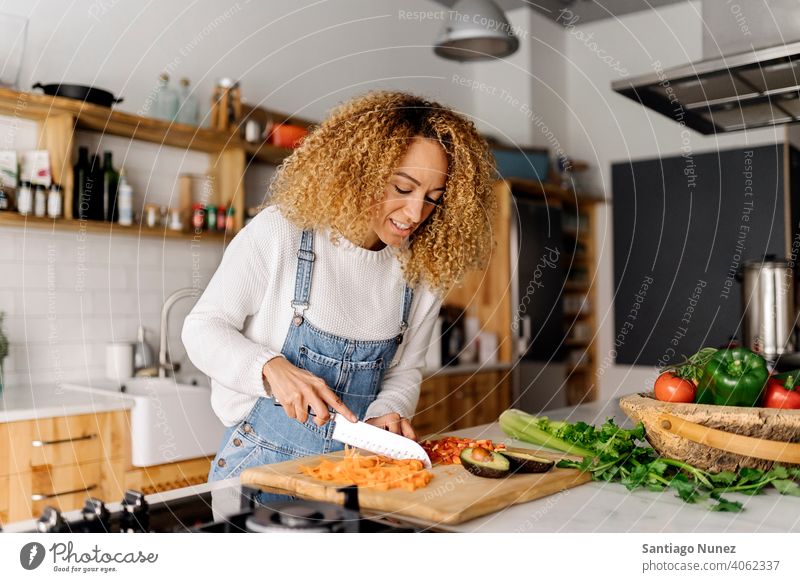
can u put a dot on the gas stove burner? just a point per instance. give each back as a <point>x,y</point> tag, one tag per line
<point>299,517</point>
<point>193,512</point>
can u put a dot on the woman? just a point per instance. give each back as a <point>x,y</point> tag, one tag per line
<point>327,299</point>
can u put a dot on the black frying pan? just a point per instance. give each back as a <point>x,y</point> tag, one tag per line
<point>80,92</point>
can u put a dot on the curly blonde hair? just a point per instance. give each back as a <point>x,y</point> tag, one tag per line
<point>340,171</point>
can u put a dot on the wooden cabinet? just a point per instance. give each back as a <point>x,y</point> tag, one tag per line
<point>59,461</point>
<point>486,292</point>
<point>580,298</point>
<point>579,291</point>
<point>450,402</point>
<point>160,478</point>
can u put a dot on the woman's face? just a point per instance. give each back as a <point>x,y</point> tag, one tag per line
<point>414,190</point>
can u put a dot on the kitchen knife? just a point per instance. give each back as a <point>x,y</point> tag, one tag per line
<point>376,440</point>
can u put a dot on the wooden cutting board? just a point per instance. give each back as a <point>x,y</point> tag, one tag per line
<point>453,496</point>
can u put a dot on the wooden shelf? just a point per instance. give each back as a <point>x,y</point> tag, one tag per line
<point>551,192</point>
<point>58,118</point>
<point>577,343</point>
<point>106,120</point>
<point>578,314</point>
<point>573,286</point>
<point>109,228</point>
<point>110,121</point>
<point>267,153</point>
<point>574,233</point>
<point>576,260</point>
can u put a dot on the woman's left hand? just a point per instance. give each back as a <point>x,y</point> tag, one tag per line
<point>394,423</point>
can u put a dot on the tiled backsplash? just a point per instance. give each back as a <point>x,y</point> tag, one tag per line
<point>67,294</point>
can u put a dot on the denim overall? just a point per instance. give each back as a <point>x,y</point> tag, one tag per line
<point>353,369</point>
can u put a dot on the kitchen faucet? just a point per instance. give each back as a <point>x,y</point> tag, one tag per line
<point>165,366</point>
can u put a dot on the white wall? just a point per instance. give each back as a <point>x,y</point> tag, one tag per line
<point>66,298</point>
<point>605,127</point>
<point>305,57</point>
<point>522,99</point>
<point>297,57</point>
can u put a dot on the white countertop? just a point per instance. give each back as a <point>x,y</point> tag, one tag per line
<point>47,401</point>
<point>610,507</point>
<point>593,507</point>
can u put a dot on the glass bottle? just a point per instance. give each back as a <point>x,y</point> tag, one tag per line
<point>80,207</point>
<point>124,200</point>
<point>93,191</point>
<point>166,100</point>
<point>188,104</point>
<point>110,183</point>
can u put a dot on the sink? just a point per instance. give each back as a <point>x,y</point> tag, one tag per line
<point>170,421</point>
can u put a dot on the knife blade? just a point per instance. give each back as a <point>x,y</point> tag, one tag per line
<point>377,440</point>
<point>373,439</point>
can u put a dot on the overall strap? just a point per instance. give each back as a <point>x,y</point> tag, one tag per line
<point>408,298</point>
<point>305,265</point>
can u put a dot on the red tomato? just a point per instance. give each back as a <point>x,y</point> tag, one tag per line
<point>672,388</point>
<point>778,396</point>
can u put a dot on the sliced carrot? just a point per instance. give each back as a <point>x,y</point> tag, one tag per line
<point>375,471</point>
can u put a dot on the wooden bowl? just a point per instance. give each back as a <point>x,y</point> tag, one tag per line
<point>718,438</point>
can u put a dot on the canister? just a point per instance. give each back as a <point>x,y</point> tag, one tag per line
<point>768,307</point>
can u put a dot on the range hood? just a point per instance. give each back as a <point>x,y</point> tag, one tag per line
<point>743,91</point>
<point>738,89</point>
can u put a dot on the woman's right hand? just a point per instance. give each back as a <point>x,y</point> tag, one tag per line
<point>297,389</point>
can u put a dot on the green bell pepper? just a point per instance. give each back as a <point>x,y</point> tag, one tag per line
<point>733,377</point>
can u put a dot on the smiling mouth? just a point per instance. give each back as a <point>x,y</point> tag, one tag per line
<point>401,228</point>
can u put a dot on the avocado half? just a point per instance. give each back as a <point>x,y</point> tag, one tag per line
<point>527,463</point>
<point>484,463</point>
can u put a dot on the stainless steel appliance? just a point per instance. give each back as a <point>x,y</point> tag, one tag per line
<point>745,81</point>
<point>768,307</point>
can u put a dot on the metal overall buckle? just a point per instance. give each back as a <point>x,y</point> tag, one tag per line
<point>298,317</point>
<point>403,328</point>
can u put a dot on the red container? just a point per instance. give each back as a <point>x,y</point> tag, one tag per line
<point>198,216</point>
<point>286,135</point>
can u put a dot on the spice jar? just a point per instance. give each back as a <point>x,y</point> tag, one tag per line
<point>229,219</point>
<point>211,217</point>
<point>198,216</point>
<point>25,198</point>
<point>221,218</point>
<point>151,215</point>
<point>175,219</point>
<point>55,201</point>
<point>39,200</point>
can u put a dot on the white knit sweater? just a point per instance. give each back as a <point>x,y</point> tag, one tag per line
<point>241,320</point>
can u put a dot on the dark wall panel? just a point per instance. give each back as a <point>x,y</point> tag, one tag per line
<point>682,227</point>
